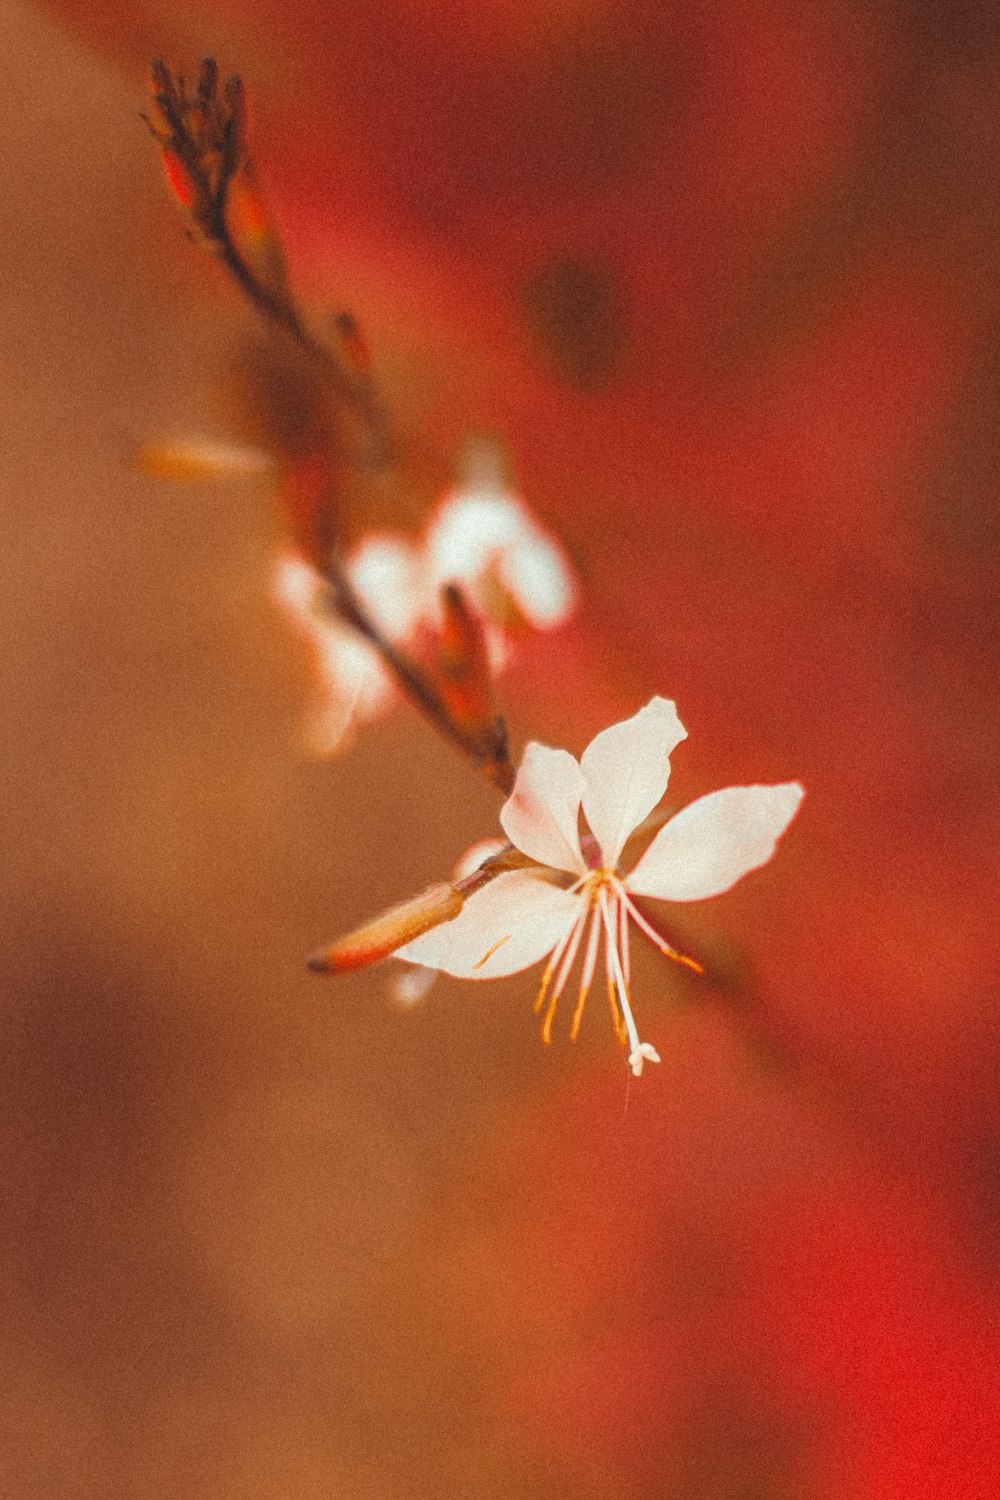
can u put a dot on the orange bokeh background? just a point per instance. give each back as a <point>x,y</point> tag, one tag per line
<point>723,277</point>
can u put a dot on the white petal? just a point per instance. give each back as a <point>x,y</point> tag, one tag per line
<point>353,688</point>
<point>538,578</point>
<point>297,588</point>
<point>352,683</point>
<point>468,530</point>
<point>541,815</point>
<point>328,727</point>
<point>625,771</point>
<point>518,916</point>
<point>410,984</point>
<point>350,671</point>
<point>714,842</point>
<point>386,572</point>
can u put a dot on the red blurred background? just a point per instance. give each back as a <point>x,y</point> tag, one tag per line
<point>724,278</point>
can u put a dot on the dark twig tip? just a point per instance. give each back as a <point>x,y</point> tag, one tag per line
<point>208,79</point>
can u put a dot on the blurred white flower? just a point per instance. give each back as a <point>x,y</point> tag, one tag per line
<point>478,536</point>
<point>352,686</point>
<point>484,539</point>
<point>521,916</point>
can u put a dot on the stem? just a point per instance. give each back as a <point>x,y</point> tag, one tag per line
<point>282,312</point>
<point>216,137</point>
<point>490,755</point>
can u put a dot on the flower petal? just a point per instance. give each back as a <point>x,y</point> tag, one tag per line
<point>510,924</point>
<point>386,572</point>
<point>714,842</point>
<point>625,771</point>
<point>470,528</point>
<point>541,814</point>
<point>537,576</point>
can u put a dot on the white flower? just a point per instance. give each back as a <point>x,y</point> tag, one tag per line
<point>486,536</point>
<point>353,687</point>
<point>522,916</point>
<point>484,539</point>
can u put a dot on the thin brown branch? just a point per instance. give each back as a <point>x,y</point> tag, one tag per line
<point>202,136</point>
<point>489,749</point>
<point>358,394</point>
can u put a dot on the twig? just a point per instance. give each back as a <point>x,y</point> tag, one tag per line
<point>486,746</point>
<point>202,136</point>
<point>205,136</point>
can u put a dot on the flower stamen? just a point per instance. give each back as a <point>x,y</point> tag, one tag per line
<point>589,964</point>
<point>543,988</point>
<point>490,951</point>
<point>617,1020</point>
<point>564,957</point>
<point>570,941</point>
<point>623,944</point>
<point>661,942</point>
<point>615,997</point>
<point>550,1016</point>
<point>571,951</point>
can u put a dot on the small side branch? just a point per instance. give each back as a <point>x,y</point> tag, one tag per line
<point>484,743</point>
<point>203,139</point>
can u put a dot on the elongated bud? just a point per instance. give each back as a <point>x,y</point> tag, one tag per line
<point>464,662</point>
<point>202,458</point>
<point>308,496</point>
<point>465,681</point>
<point>203,106</point>
<point>377,939</point>
<point>233,121</point>
<point>251,217</point>
<point>202,138</point>
<point>252,224</point>
<point>353,344</point>
<point>179,179</point>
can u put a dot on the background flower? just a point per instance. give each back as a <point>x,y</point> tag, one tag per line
<point>483,538</point>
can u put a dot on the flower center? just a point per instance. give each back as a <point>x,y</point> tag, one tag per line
<point>605,908</point>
